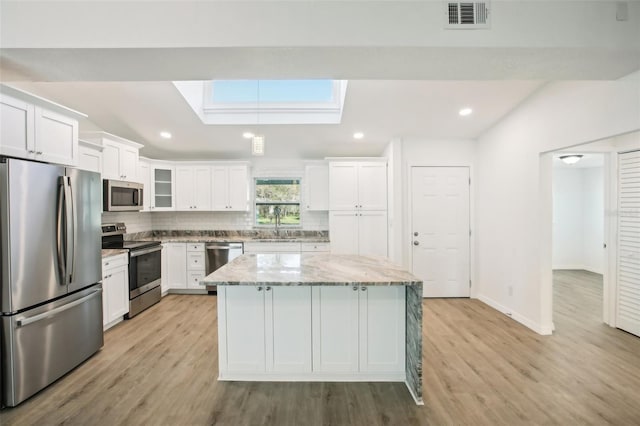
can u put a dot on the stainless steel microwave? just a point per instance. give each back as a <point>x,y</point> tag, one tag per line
<point>121,196</point>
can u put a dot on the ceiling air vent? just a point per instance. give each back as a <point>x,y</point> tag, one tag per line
<point>467,15</point>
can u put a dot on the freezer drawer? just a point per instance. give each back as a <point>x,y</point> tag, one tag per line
<point>42,344</point>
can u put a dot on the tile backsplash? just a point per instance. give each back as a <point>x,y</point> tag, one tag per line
<point>223,221</point>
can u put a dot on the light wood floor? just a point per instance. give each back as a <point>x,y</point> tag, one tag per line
<point>480,367</point>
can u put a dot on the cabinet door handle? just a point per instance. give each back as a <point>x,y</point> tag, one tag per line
<point>355,288</point>
<point>268,288</point>
<point>31,151</point>
<point>38,152</point>
<point>363,288</point>
<point>106,264</point>
<point>259,288</point>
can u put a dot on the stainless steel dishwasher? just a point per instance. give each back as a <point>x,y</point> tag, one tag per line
<point>218,255</point>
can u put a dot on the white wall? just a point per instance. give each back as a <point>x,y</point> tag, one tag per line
<point>514,196</point>
<point>578,218</point>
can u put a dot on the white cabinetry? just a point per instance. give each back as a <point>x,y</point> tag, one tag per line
<point>358,185</point>
<point>230,188</point>
<point>144,177</point>
<point>176,265</point>
<point>162,192</point>
<point>316,186</point>
<point>36,132</point>
<point>266,330</point>
<point>115,289</point>
<point>311,332</point>
<point>120,156</point>
<point>195,265</point>
<point>89,156</point>
<point>193,188</point>
<point>359,328</point>
<point>358,201</point>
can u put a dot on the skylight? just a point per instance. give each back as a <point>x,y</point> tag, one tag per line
<point>265,101</point>
<point>272,91</point>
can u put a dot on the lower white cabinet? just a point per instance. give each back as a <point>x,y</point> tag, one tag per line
<point>311,332</point>
<point>195,265</point>
<point>115,289</point>
<point>267,329</point>
<point>176,265</point>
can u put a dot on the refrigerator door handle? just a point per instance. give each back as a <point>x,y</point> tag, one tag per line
<point>74,230</point>
<point>30,320</point>
<point>60,239</point>
<point>70,232</point>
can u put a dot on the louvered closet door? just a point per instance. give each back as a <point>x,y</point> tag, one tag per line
<point>628,312</point>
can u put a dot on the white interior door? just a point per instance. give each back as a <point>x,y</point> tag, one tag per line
<point>440,230</point>
<point>628,297</point>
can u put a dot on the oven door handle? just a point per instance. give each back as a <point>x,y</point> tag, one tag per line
<point>137,253</point>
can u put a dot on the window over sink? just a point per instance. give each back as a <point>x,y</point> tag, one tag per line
<point>277,202</point>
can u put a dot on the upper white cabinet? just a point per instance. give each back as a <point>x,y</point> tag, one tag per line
<point>89,156</point>
<point>230,187</point>
<point>193,187</point>
<point>358,185</point>
<point>32,131</point>
<point>119,156</point>
<point>316,187</point>
<point>162,183</point>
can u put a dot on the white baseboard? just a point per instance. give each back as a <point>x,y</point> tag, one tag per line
<point>226,376</point>
<point>538,328</point>
<point>186,291</point>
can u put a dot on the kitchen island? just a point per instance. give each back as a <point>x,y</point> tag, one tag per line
<point>319,317</point>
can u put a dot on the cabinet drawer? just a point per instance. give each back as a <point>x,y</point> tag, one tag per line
<point>194,278</point>
<point>195,261</point>
<point>199,247</point>
<point>319,247</point>
<point>258,247</point>
<point>115,261</point>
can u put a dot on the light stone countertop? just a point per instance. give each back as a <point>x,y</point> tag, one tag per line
<point>237,239</point>
<point>112,252</point>
<point>310,269</point>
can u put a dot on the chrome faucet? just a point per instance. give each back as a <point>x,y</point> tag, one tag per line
<point>277,211</point>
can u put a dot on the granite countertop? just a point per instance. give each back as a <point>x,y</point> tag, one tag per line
<point>112,252</point>
<point>243,236</point>
<point>239,239</point>
<point>310,269</point>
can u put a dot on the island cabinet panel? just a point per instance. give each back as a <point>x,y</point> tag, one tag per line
<point>288,329</point>
<point>244,334</point>
<point>335,329</point>
<point>382,329</point>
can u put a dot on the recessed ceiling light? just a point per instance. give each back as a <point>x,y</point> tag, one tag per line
<point>358,135</point>
<point>465,111</point>
<point>248,135</point>
<point>165,135</point>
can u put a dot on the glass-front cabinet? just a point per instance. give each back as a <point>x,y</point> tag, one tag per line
<point>162,188</point>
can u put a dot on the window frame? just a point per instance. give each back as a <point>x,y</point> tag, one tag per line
<point>255,202</point>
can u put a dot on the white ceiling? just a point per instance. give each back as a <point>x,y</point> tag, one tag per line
<point>383,110</point>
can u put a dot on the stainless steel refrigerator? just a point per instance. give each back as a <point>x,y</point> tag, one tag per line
<point>51,296</point>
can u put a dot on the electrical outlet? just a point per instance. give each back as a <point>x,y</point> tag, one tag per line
<point>510,290</point>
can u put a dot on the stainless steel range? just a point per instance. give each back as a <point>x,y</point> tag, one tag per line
<point>145,265</point>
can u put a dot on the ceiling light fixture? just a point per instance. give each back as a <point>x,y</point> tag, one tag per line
<point>165,135</point>
<point>358,135</point>
<point>257,145</point>
<point>571,159</point>
<point>248,135</point>
<point>465,111</point>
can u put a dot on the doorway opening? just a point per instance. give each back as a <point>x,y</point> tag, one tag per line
<point>579,255</point>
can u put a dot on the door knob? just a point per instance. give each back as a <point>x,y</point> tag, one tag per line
<point>416,243</point>
<point>415,234</point>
